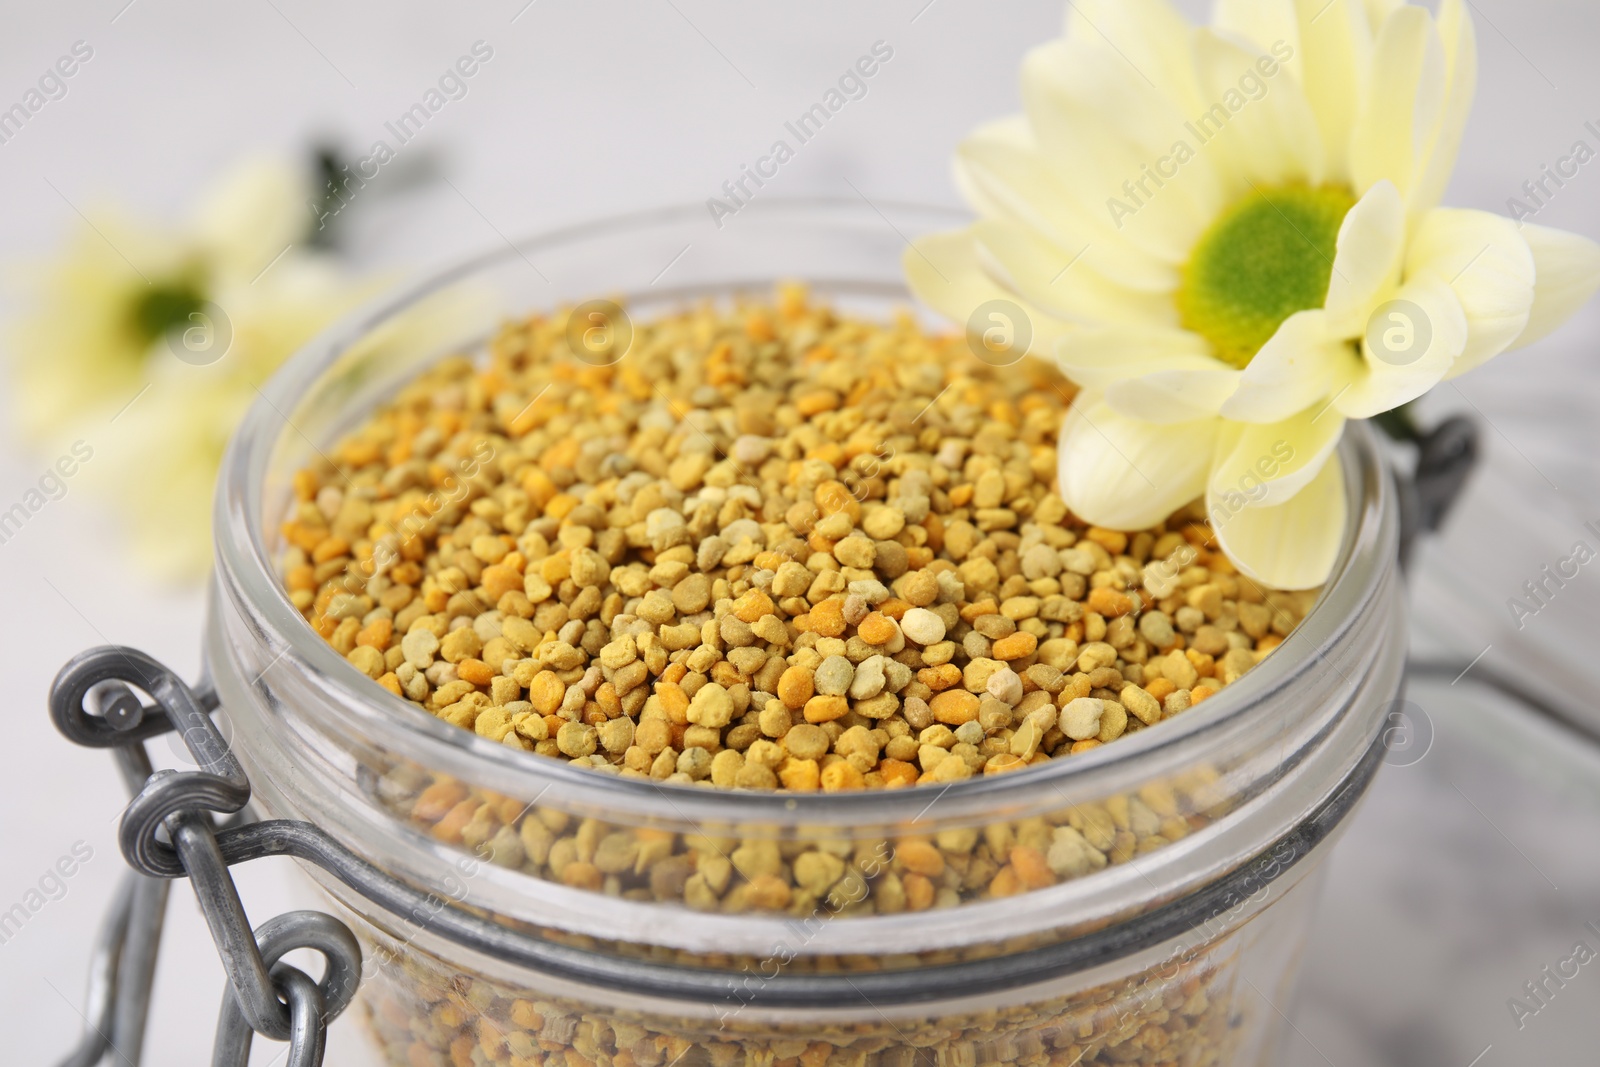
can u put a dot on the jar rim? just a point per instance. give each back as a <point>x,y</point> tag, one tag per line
<point>248,576</point>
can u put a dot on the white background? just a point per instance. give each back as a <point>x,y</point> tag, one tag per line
<point>1445,898</point>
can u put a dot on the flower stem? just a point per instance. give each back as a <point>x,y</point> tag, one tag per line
<point>1399,423</point>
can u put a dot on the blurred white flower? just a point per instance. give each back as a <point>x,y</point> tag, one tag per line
<point>151,342</point>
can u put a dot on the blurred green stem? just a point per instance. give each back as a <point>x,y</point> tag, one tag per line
<point>1399,423</point>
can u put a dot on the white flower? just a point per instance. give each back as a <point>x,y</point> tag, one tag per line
<point>149,343</point>
<point>1230,237</point>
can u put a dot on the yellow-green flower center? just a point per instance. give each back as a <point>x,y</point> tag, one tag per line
<point>1265,258</point>
<point>164,306</point>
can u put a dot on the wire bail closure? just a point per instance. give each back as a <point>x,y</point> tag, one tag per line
<point>169,831</point>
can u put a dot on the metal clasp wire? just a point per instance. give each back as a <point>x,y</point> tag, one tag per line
<point>168,831</point>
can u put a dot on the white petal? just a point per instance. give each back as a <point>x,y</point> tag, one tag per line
<point>1426,315</point>
<point>1064,283</point>
<point>1293,545</point>
<point>1302,364</point>
<point>1173,396</point>
<point>1568,273</point>
<point>1261,129</point>
<point>1487,262</point>
<point>1372,240</point>
<point>944,272</point>
<point>1126,474</point>
<point>1439,153</point>
<point>1152,34</point>
<point>252,213</point>
<point>1264,23</point>
<point>1095,358</point>
<point>1102,126</point>
<point>1268,463</point>
<point>1405,98</point>
<point>1378,12</point>
<point>1335,55</point>
<point>1003,174</point>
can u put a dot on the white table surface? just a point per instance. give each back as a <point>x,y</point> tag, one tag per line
<point>1460,876</point>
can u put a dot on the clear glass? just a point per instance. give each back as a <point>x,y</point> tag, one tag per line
<point>1212,1004</point>
<point>1118,841</point>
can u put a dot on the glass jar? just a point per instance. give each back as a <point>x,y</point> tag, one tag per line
<point>1144,902</point>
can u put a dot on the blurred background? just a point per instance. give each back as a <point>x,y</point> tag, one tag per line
<point>1470,867</point>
